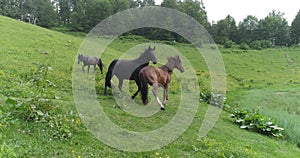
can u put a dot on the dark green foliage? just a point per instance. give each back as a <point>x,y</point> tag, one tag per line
<point>260,44</point>
<point>225,30</point>
<point>228,44</point>
<point>265,44</point>
<point>244,46</point>
<point>274,26</point>
<point>295,29</point>
<point>82,16</point>
<point>40,12</point>
<point>256,45</point>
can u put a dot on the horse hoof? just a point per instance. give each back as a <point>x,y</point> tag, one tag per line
<point>145,102</point>
<point>162,108</point>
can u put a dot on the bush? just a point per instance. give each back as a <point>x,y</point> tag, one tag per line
<point>265,44</point>
<point>260,44</point>
<point>256,45</point>
<point>244,46</point>
<point>252,120</point>
<point>228,44</point>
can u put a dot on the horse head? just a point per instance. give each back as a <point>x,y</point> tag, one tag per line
<point>176,62</point>
<point>79,58</point>
<point>151,54</point>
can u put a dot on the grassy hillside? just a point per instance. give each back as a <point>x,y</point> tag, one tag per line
<point>38,117</point>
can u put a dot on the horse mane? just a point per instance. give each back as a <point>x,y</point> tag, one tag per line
<point>166,68</point>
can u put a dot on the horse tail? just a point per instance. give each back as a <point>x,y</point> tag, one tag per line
<point>109,73</point>
<point>144,87</point>
<point>100,64</point>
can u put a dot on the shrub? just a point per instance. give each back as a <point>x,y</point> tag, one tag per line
<point>228,44</point>
<point>265,44</point>
<point>244,46</point>
<point>256,45</point>
<point>40,112</point>
<point>213,98</point>
<point>252,120</point>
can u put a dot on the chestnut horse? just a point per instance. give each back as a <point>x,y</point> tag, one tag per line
<point>158,77</point>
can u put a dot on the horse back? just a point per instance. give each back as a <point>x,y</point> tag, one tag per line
<point>154,74</point>
<point>126,69</point>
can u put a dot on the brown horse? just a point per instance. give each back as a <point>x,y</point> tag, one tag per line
<point>158,77</point>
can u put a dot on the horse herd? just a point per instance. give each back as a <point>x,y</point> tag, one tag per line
<point>139,71</point>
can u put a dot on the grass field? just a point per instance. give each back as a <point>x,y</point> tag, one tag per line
<point>38,117</point>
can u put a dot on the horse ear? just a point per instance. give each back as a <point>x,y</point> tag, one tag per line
<point>149,47</point>
<point>154,48</point>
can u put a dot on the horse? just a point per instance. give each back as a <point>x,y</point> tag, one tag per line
<point>129,69</point>
<point>158,77</point>
<point>87,61</point>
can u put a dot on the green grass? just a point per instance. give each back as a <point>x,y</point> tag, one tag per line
<point>282,104</point>
<point>44,121</point>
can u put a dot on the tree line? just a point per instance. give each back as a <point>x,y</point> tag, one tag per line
<point>83,15</point>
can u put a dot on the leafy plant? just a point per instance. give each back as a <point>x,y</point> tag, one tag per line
<point>228,44</point>
<point>213,98</point>
<point>244,46</point>
<point>252,120</point>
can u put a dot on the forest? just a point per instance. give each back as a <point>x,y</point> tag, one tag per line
<point>83,15</point>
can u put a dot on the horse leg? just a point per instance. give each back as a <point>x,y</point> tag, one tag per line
<point>88,69</point>
<point>83,68</point>
<point>165,95</point>
<point>94,68</point>
<point>139,88</point>
<point>120,85</point>
<point>154,90</point>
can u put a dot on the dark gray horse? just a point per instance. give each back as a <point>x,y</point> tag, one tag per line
<point>87,61</point>
<point>129,69</point>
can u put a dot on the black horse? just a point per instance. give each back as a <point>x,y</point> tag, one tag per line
<point>129,69</point>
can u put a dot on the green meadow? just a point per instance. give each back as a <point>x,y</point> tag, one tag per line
<point>38,116</point>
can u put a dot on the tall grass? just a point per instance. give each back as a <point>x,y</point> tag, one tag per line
<point>281,104</point>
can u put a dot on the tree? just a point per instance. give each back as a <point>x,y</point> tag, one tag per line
<point>225,30</point>
<point>144,3</point>
<point>40,12</point>
<point>169,4</point>
<point>275,28</point>
<point>64,10</point>
<point>120,5</point>
<point>248,29</point>
<point>295,29</point>
<point>195,9</point>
